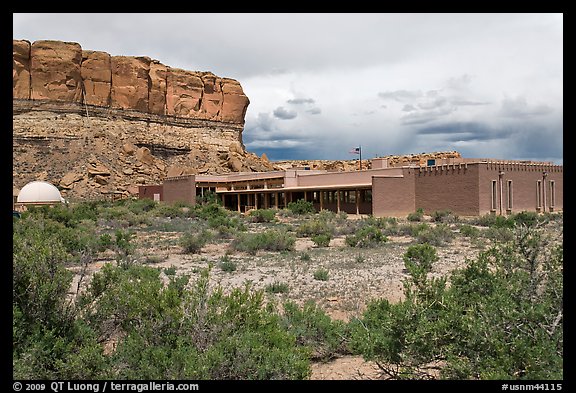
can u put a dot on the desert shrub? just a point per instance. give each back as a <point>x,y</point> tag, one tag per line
<point>506,305</point>
<point>493,220</point>
<point>271,240</point>
<point>439,235</point>
<point>315,227</point>
<point>419,258</point>
<point>322,240</point>
<point>226,226</point>
<point>152,259</point>
<point>418,215</point>
<point>321,274</point>
<point>227,264</point>
<point>48,340</point>
<point>301,207</point>
<point>469,231</point>
<point>305,257</point>
<point>368,236</point>
<point>209,197</point>
<point>329,215</point>
<point>498,234</point>
<point>412,229</point>
<point>192,242</point>
<point>170,210</point>
<point>210,210</point>
<point>263,215</point>
<point>526,218</point>
<point>444,216</point>
<point>86,210</point>
<point>176,331</point>
<point>314,329</point>
<point>277,287</point>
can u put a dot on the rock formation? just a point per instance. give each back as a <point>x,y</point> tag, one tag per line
<point>95,124</point>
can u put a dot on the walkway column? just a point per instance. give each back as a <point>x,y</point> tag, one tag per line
<point>306,196</point>
<point>276,200</point>
<point>224,200</point>
<point>356,195</point>
<point>321,200</point>
<point>238,203</point>
<point>256,201</point>
<point>338,201</point>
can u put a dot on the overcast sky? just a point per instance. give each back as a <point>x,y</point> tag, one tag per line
<point>486,85</point>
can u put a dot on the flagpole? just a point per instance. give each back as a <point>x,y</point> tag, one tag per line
<point>360,149</point>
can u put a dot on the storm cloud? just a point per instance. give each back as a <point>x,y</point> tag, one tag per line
<point>487,85</point>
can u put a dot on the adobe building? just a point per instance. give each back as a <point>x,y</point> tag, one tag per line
<point>465,186</point>
<point>174,189</point>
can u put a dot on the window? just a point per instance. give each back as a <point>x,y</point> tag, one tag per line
<point>431,162</point>
<point>538,194</point>
<point>509,200</point>
<point>368,196</point>
<point>494,200</point>
<point>552,193</point>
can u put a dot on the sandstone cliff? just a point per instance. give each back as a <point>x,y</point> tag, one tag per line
<point>92,123</point>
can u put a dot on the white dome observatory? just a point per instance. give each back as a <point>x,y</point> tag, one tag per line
<point>39,193</point>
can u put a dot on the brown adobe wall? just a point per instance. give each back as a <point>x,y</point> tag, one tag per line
<point>394,196</point>
<point>448,187</point>
<point>180,189</point>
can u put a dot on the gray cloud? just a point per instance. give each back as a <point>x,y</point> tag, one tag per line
<point>400,95</point>
<point>433,104</point>
<point>426,116</point>
<point>459,83</point>
<point>519,107</point>
<point>300,101</point>
<point>465,131</point>
<point>284,114</point>
<point>464,59</point>
<point>314,111</point>
<point>465,102</point>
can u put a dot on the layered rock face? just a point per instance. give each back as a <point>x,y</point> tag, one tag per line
<point>76,112</point>
<point>63,72</point>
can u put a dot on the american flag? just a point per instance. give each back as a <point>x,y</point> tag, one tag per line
<point>356,150</point>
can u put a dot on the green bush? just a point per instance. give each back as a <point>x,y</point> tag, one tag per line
<point>277,287</point>
<point>419,259</point>
<point>49,341</point>
<point>368,236</point>
<point>498,234</point>
<point>469,231</point>
<point>314,329</point>
<point>322,240</point>
<point>271,240</point>
<point>500,318</point>
<point>192,243</point>
<point>301,207</point>
<point>176,332</point>
<point>227,265</point>
<point>439,235</point>
<point>412,229</point>
<point>321,274</point>
<point>315,227</point>
<point>494,221</point>
<point>418,215</point>
<point>444,216</point>
<point>263,215</point>
<point>526,218</point>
